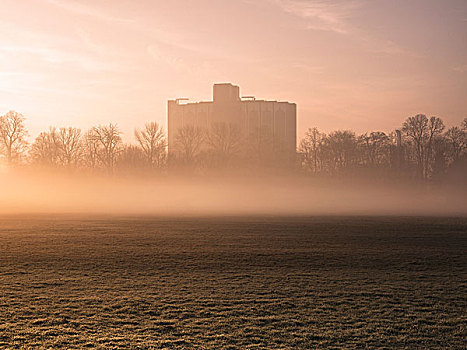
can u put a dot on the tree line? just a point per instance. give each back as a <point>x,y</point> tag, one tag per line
<point>422,148</point>
<point>99,148</point>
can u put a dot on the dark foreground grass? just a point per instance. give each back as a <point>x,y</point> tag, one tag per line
<point>248,283</point>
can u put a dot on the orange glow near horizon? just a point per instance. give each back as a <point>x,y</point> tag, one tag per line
<point>361,65</point>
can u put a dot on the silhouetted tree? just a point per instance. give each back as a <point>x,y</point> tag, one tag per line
<point>310,148</point>
<point>91,146</point>
<point>457,142</point>
<point>340,150</point>
<point>422,132</point>
<point>61,147</point>
<point>153,144</point>
<point>188,142</point>
<point>439,159</point>
<point>44,149</point>
<point>13,135</point>
<point>224,142</point>
<point>69,144</point>
<point>132,159</point>
<point>106,142</point>
<point>374,148</point>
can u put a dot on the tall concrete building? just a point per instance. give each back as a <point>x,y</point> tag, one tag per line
<point>271,125</point>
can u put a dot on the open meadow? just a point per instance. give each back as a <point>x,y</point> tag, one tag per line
<point>233,283</point>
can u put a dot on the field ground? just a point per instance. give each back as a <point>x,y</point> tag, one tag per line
<point>238,283</point>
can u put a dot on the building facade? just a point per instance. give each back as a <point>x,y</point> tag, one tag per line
<point>268,128</point>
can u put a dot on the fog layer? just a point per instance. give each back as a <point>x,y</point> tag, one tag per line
<point>42,192</point>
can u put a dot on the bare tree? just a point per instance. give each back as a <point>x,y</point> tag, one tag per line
<point>416,128</point>
<point>224,142</point>
<point>456,140</point>
<point>12,136</point>
<point>61,147</point>
<point>422,132</point>
<point>375,148</point>
<point>44,150</point>
<point>310,147</point>
<point>131,159</point>
<point>340,149</point>
<point>153,142</point>
<point>68,141</point>
<point>90,149</point>
<point>107,141</point>
<point>435,128</point>
<point>188,143</point>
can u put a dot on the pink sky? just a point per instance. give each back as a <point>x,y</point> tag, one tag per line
<point>361,65</point>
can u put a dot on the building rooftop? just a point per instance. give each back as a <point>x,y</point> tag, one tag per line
<point>224,93</point>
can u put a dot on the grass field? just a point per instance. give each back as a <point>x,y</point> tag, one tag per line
<point>248,283</point>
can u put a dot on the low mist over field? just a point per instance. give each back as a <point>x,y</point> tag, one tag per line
<point>267,174</point>
<point>51,192</point>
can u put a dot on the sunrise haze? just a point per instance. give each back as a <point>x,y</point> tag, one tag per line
<point>361,65</point>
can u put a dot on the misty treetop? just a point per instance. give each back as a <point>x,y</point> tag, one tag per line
<point>422,148</point>
<point>13,136</point>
